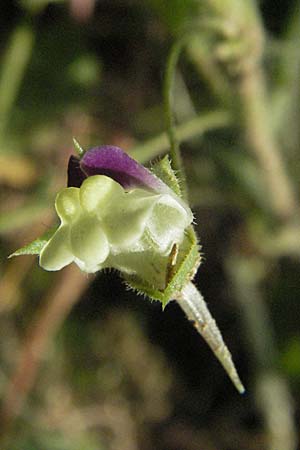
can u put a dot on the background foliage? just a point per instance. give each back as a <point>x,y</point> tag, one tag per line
<point>84,363</point>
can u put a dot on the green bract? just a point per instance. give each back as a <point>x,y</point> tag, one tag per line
<point>102,225</point>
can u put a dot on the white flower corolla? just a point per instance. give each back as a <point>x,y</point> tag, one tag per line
<point>103,225</point>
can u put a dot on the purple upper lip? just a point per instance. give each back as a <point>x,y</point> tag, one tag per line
<point>115,163</point>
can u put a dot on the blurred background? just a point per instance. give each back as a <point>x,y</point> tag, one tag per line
<point>85,364</point>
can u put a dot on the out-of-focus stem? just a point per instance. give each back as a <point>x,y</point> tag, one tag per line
<point>271,389</point>
<point>187,130</point>
<point>245,276</point>
<point>261,142</point>
<point>55,308</point>
<point>13,66</point>
<point>242,49</point>
<point>193,304</point>
<point>287,73</point>
<point>23,216</point>
<point>199,52</point>
<point>274,398</point>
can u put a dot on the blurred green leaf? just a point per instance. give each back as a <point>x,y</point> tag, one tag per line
<point>291,357</point>
<point>174,16</point>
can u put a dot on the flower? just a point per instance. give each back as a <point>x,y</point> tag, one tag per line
<point>116,214</point>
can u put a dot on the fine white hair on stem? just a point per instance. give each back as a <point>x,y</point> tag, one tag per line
<point>194,306</point>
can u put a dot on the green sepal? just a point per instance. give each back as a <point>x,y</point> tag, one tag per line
<point>35,247</point>
<point>80,151</point>
<point>163,170</point>
<point>188,261</point>
<point>188,258</point>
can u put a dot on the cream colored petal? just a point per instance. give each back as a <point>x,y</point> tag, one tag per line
<point>126,222</point>
<point>89,243</point>
<point>168,222</point>
<point>57,252</point>
<point>67,204</point>
<point>98,193</point>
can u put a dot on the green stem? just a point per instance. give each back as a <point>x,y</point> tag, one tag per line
<point>187,130</point>
<point>176,160</point>
<point>14,63</point>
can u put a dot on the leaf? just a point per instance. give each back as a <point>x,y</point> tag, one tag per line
<point>35,247</point>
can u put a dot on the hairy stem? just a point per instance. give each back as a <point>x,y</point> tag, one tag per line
<point>168,103</point>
